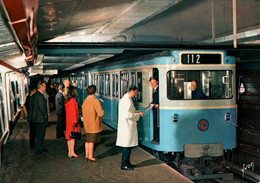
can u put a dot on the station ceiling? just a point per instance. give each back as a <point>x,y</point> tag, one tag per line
<point>64,35</point>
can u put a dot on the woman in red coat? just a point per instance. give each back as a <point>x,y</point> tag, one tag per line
<point>72,118</point>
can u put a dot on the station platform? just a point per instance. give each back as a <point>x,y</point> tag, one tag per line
<point>21,164</point>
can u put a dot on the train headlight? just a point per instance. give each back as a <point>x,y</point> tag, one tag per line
<point>175,118</point>
<point>228,117</point>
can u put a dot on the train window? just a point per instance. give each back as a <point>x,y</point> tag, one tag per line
<point>86,81</point>
<point>12,103</point>
<point>124,83</point>
<point>17,89</point>
<point>92,79</point>
<point>13,98</point>
<point>133,82</point>
<point>2,109</point>
<point>210,84</point>
<point>80,84</point>
<point>140,87</point>
<point>115,85</point>
<point>96,82</point>
<point>107,84</point>
<point>101,84</point>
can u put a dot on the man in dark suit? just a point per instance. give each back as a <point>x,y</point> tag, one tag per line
<point>196,93</point>
<point>60,111</point>
<point>38,114</point>
<point>154,83</point>
<point>32,133</point>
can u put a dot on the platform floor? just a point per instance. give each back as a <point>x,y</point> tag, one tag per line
<point>21,164</point>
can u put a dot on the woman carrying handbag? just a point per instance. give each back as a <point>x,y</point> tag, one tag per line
<point>72,118</point>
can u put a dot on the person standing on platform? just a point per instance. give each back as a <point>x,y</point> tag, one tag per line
<point>32,133</point>
<point>77,91</point>
<point>72,118</point>
<point>67,85</point>
<point>155,85</point>
<point>92,119</point>
<point>60,111</point>
<point>52,93</point>
<point>127,136</point>
<point>38,114</point>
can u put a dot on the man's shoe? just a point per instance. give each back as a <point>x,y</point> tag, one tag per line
<point>32,146</point>
<point>42,151</point>
<point>127,168</point>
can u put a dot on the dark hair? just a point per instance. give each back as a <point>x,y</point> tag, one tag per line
<point>153,77</point>
<point>61,86</point>
<point>70,94</point>
<point>40,84</point>
<point>195,81</point>
<point>31,88</point>
<point>131,87</point>
<point>91,90</point>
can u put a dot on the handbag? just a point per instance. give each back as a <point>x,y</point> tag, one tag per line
<point>75,134</point>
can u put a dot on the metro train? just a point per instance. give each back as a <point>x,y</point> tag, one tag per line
<point>13,92</point>
<point>189,128</point>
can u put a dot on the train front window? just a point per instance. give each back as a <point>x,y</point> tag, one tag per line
<point>216,84</point>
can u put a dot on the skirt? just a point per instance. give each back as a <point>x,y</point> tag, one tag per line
<point>93,137</point>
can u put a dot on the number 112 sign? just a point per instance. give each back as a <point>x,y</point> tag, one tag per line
<point>200,58</point>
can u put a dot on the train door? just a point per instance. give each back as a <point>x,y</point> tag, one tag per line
<point>143,129</point>
<point>155,116</point>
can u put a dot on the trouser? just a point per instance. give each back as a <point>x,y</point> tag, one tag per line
<point>32,134</point>
<point>126,152</point>
<point>60,126</point>
<point>155,125</point>
<point>40,134</point>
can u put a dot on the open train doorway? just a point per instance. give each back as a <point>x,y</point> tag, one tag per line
<point>154,81</point>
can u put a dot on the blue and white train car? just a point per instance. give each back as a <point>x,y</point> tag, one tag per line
<point>197,127</point>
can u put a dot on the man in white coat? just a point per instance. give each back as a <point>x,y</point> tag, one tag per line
<point>127,136</point>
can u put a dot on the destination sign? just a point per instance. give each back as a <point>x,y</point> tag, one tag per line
<point>198,58</point>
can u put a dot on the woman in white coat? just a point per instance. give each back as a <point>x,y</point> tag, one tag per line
<point>127,136</point>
